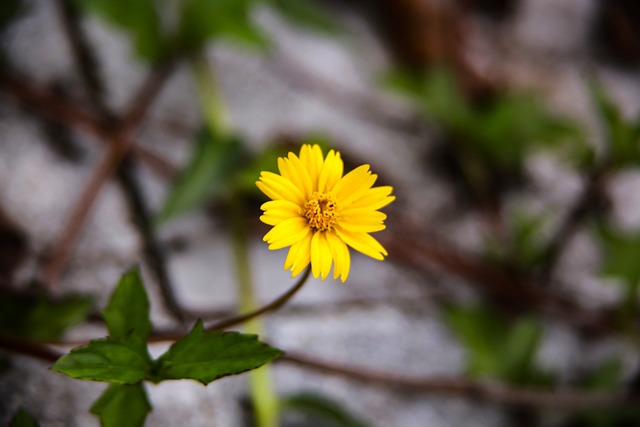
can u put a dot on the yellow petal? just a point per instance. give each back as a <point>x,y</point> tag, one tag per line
<point>362,242</point>
<point>296,174</point>
<point>354,185</point>
<point>283,186</point>
<point>302,257</point>
<point>340,255</point>
<point>312,159</point>
<point>331,172</point>
<point>287,233</point>
<point>374,199</point>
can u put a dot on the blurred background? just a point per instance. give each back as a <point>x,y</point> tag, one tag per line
<point>132,132</point>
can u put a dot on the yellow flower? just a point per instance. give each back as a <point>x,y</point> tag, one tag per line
<point>318,212</point>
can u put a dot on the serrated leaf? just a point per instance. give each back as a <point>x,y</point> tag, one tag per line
<point>215,163</point>
<point>110,360</point>
<point>207,356</point>
<point>138,18</point>
<point>40,317</point>
<point>307,14</point>
<point>122,405</point>
<point>319,410</point>
<point>23,419</point>
<point>128,309</point>
<point>202,21</point>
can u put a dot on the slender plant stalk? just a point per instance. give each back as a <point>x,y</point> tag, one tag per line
<point>262,391</point>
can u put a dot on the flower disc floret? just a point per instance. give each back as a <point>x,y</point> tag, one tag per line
<point>318,213</point>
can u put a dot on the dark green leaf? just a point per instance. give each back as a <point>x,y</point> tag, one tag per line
<point>606,377</point>
<point>118,361</point>
<point>307,14</point>
<point>318,410</point>
<point>23,419</point>
<point>139,18</point>
<point>207,356</point>
<point>202,21</point>
<point>40,317</point>
<point>498,348</point>
<point>122,405</point>
<point>215,163</point>
<point>128,309</point>
<point>620,252</point>
<point>9,11</point>
<point>521,344</point>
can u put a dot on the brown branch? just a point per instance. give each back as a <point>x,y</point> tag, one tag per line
<point>76,220</point>
<point>52,106</point>
<point>32,349</point>
<point>511,290</point>
<point>462,388</point>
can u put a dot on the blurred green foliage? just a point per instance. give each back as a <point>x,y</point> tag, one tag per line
<point>200,22</point>
<point>308,409</point>
<point>41,317</point>
<point>23,419</point>
<point>216,163</point>
<point>498,348</point>
<point>621,135</point>
<point>498,133</point>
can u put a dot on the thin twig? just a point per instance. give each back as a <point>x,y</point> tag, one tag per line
<point>242,318</point>
<point>70,234</point>
<point>154,253</point>
<point>562,400</point>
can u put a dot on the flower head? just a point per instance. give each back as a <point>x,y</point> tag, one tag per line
<point>319,213</point>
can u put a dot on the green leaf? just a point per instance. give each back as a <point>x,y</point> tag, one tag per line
<point>118,361</point>
<point>520,348</point>
<point>9,11</point>
<point>139,18</point>
<point>122,405</point>
<point>307,14</point>
<point>497,347</point>
<point>319,410</point>
<point>207,356</point>
<point>620,251</point>
<point>23,419</point>
<point>202,21</point>
<point>215,163</point>
<point>128,309</point>
<point>40,317</point>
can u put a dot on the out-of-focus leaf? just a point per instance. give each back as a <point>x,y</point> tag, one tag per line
<point>623,136</point>
<point>122,405</point>
<point>41,317</point>
<point>202,21</point>
<point>123,361</point>
<point>139,18</point>
<point>497,348</point>
<point>605,377</point>
<point>482,332</point>
<point>496,134</point>
<point>620,252</point>
<point>528,245</point>
<point>521,344</point>
<point>307,14</point>
<point>214,167</point>
<point>315,410</point>
<point>23,419</point>
<point>207,356</point>
<point>128,309</point>
<point>9,11</point>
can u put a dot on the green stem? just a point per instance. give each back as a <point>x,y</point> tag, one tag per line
<point>215,114</point>
<point>262,391</point>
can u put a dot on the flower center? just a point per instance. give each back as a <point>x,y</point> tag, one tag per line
<point>321,211</point>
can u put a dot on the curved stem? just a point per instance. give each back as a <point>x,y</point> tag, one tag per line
<point>272,306</point>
